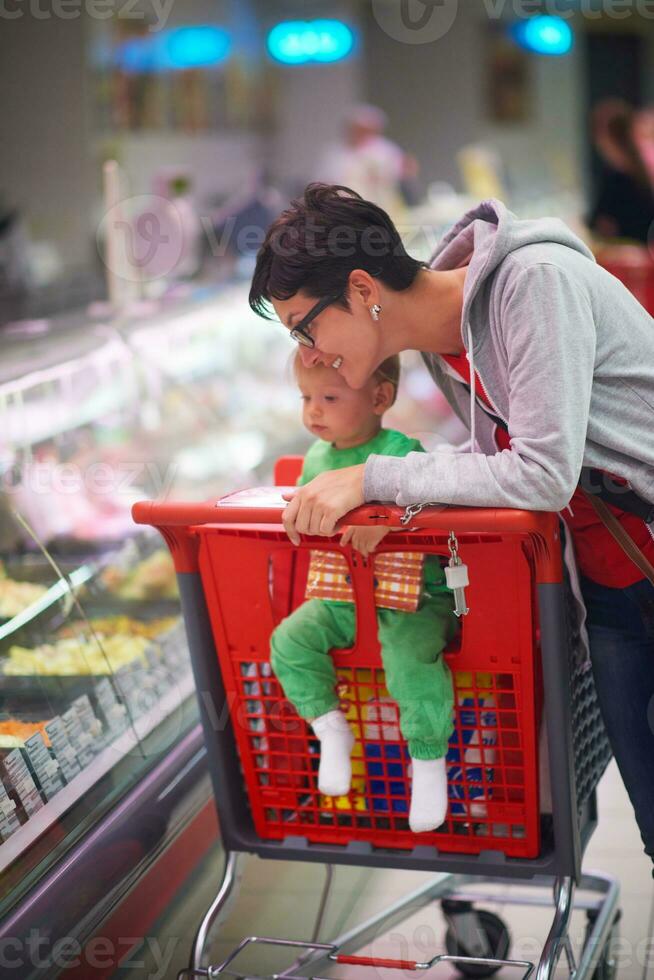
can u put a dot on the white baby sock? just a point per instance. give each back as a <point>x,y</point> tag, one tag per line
<point>336,742</point>
<point>428,794</point>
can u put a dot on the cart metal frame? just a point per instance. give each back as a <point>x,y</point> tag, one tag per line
<point>574,815</point>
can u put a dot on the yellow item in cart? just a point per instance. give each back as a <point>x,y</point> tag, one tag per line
<point>72,657</point>
<point>468,686</point>
<point>357,796</point>
<point>152,578</point>
<point>16,596</point>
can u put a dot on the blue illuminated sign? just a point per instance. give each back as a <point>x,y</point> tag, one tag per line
<point>296,42</point>
<point>174,50</point>
<point>196,47</point>
<point>543,35</point>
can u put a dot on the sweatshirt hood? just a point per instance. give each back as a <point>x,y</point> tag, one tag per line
<point>486,235</point>
<point>482,239</point>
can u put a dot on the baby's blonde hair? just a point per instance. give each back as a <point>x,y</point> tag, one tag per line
<point>388,370</point>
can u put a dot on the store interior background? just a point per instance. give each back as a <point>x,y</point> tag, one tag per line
<point>56,136</point>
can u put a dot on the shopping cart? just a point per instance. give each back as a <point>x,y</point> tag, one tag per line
<point>632,265</point>
<point>523,694</point>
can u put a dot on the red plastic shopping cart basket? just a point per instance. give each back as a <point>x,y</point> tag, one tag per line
<point>234,558</point>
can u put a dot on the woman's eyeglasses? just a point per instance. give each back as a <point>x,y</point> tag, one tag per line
<point>300,332</point>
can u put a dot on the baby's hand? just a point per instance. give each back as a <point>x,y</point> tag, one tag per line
<point>364,539</point>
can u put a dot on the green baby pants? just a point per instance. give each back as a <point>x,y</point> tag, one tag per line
<point>417,676</point>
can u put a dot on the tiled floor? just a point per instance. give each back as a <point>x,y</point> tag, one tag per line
<point>281,899</point>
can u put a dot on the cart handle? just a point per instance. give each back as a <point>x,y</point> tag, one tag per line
<point>265,505</point>
<point>178,521</point>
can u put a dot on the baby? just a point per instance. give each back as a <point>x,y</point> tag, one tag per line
<point>348,424</point>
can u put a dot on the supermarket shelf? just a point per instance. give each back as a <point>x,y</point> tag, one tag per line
<point>103,763</point>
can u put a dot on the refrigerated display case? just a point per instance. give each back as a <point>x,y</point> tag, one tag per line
<point>102,773</point>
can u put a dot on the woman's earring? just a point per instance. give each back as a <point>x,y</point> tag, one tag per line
<point>375,310</point>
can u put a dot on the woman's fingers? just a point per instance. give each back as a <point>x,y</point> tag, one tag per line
<point>317,507</point>
<point>326,524</point>
<point>289,519</point>
<point>306,516</point>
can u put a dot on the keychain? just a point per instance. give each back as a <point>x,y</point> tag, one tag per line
<point>456,577</point>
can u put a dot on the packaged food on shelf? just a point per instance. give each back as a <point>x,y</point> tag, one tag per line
<point>19,783</point>
<point>45,768</point>
<point>81,741</point>
<point>62,749</point>
<point>110,708</point>
<point>9,822</point>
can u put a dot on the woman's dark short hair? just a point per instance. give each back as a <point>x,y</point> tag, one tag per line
<point>319,239</point>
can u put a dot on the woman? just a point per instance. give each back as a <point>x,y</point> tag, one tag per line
<point>562,360</point>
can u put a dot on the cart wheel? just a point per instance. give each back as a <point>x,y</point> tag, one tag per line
<point>607,967</point>
<point>489,927</point>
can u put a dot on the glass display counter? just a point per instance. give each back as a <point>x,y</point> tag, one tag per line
<point>95,678</point>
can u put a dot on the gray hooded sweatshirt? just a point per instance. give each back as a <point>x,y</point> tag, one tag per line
<point>566,356</point>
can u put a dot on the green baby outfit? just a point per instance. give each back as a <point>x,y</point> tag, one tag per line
<point>412,643</point>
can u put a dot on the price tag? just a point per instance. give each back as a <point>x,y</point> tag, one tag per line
<point>62,750</point>
<point>113,712</point>
<point>9,821</point>
<point>89,722</point>
<point>78,738</point>
<point>21,779</point>
<point>44,767</point>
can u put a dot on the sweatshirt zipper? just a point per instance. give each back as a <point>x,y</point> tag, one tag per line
<point>485,391</point>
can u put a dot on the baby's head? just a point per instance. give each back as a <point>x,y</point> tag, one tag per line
<point>342,415</point>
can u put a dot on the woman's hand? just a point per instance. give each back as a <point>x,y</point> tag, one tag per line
<point>317,507</point>
<point>365,539</point>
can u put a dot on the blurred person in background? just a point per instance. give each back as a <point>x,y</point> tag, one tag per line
<point>624,205</point>
<point>644,138</point>
<point>370,163</point>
